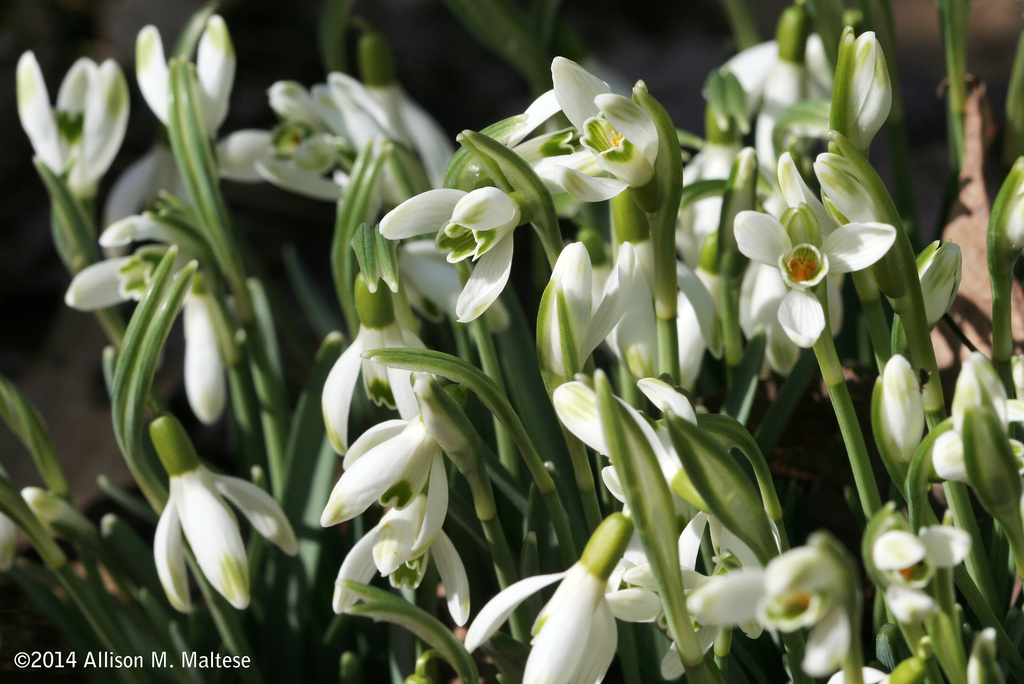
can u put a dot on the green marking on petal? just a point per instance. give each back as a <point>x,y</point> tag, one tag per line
<point>286,137</point>
<point>458,244</point>
<point>70,125</point>
<point>399,494</point>
<point>600,136</point>
<point>235,581</point>
<point>622,152</point>
<point>803,266</point>
<point>409,574</point>
<point>379,391</point>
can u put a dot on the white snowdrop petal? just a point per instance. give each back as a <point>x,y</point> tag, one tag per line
<point>261,510</point>
<point>761,237</point>
<point>575,89</point>
<point>489,277</point>
<point>453,577</point>
<point>856,246</point>
<point>497,610</point>
<point>947,546</point>
<point>169,554</point>
<point>427,212</point>
<point>801,317</point>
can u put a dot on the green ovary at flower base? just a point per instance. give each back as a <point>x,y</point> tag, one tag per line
<point>196,510</point>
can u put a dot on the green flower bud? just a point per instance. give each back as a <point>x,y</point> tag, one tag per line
<point>58,514</point>
<point>173,445</point>
<point>939,266</point>
<point>376,62</point>
<point>791,33</point>
<point>1006,223</point>
<point>978,387</point>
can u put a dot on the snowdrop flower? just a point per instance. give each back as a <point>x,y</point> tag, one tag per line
<point>899,418</point>
<point>215,67</point>
<point>576,406</point>
<point>378,329</point>
<point>121,279</point>
<point>909,561</point>
<point>197,510</point>
<point>618,137</point>
<point>572,322</point>
<point>432,284</point>
<point>804,587</point>
<point>361,563</point>
<point>477,225</point>
<point>574,636</point>
<point>804,265</point>
<point>81,135</point>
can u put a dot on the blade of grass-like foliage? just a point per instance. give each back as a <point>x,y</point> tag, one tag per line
<point>189,36</point>
<point>384,607</point>
<point>353,210</point>
<point>330,35</point>
<point>500,27</point>
<point>651,506</point>
<point>740,398</point>
<point>136,365</point>
<point>806,119</point>
<point>28,425</point>
<point>723,485</point>
<point>73,229</point>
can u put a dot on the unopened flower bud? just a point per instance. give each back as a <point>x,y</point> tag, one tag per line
<point>897,415</point>
<point>939,267</point>
<point>983,666</point>
<point>862,94</point>
<point>978,387</point>
<point>1006,224</point>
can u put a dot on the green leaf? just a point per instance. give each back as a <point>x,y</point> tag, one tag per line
<point>508,655</point>
<point>500,27</point>
<point>805,119</point>
<point>743,385</point>
<point>384,607</point>
<point>28,425</point>
<point>407,170</point>
<point>650,504</point>
<point>698,190</point>
<point>353,210</point>
<point>136,365</point>
<point>330,36</point>
<point>377,257</point>
<point>732,435</point>
<point>464,170</point>
<point>511,173</point>
<point>15,508</point>
<point>189,36</point>
<point>73,229</point>
<point>724,486</point>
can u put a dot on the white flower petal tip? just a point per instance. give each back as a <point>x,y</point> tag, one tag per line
<point>947,546</point>
<point>667,398</point>
<point>151,71</point>
<point>897,549</point>
<point>498,609</point>
<point>761,237</point>
<point>856,246</point>
<point>802,317</point>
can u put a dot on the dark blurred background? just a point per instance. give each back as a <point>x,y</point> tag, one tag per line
<point>53,353</point>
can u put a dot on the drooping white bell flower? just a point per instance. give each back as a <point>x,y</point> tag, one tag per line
<point>81,135</point>
<point>196,510</point>
<point>379,329</point>
<point>215,68</point>
<point>618,137</point>
<point>852,247</point>
<point>477,225</point>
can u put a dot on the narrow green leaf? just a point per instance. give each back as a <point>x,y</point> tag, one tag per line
<point>500,27</point>
<point>698,190</point>
<point>732,435</point>
<point>524,181</point>
<point>136,366</point>
<point>377,257</point>
<point>28,425</point>
<point>316,308</point>
<point>743,386</point>
<point>724,486</point>
<point>353,210</point>
<point>407,170</point>
<point>464,170</point>
<point>384,607</point>
<point>189,36</point>
<point>332,29</point>
<point>73,229</point>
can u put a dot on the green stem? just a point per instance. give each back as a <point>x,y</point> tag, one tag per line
<point>741,20</point>
<point>874,314</point>
<point>959,501</point>
<point>853,438</point>
<point>584,477</point>
<point>944,629</point>
<point>1002,331</point>
<point>668,347</point>
<point>732,334</point>
<point>953,16</point>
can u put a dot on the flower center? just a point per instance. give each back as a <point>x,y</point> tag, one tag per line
<point>803,266</point>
